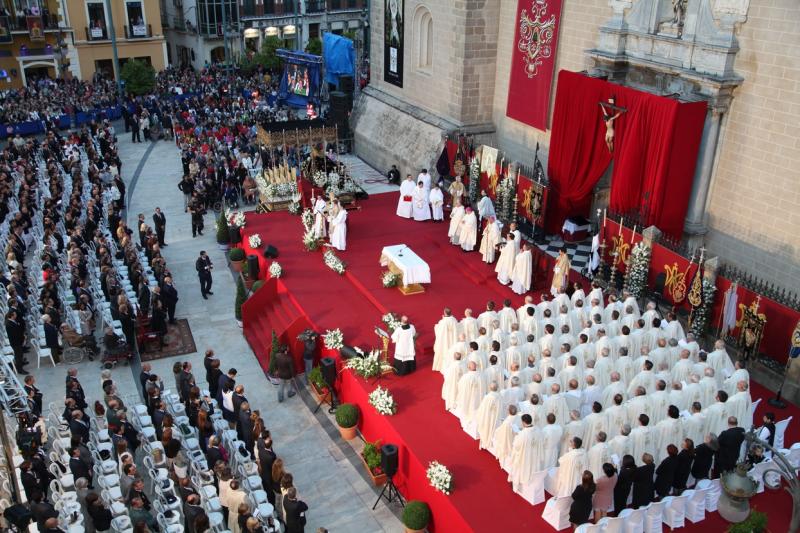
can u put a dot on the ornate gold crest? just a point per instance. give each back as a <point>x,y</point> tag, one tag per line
<point>493,183</point>
<point>796,336</point>
<point>622,248</point>
<point>675,283</point>
<point>459,168</point>
<point>696,292</point>
<point>532,203</point>
<point>535,36</point>
<point>753,310</point>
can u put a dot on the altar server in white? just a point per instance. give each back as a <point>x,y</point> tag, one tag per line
<point>425,178</point>
<point>456,216</point>
<point>490,240</point>
<point>523,267</point>
<point>446,332</point>
<point>468,233</point>
<point>319,218</point>
<point>404,202</point>
<point>404,352</point>
<point>437,203</point>
<point>505,264</point>
<point>338,227</point>
<point>469,326</point>
<point>420,209</point>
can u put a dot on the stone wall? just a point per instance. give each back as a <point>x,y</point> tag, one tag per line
<point>754,205</point>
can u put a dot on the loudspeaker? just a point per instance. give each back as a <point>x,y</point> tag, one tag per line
<point>389,459</point>
<point>340,101</point>
<point>19,515</point>
<point>270,252</point>
<point>328,367</point>
<point>252,266</point>
<point>347,352</point>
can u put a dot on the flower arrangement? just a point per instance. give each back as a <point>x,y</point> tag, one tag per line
<point>307,218</point>
<point>333,339</point>
<point>367,366</point>
<point>275,270</point>
<point>294,208</point>
<point>506,193</point>
<point>254,240</point>
<point>383,402</point>
<point>320,179</point>
<point>333,262</point>
<point>698,319</point>
<point>390,279</point>
<point>236,218</point>
<point>281,190</point>
<point>636,278</point>
<point>333,178</point>
<point>391,321</point>
<point>439,477</point>
<point>372,456</point>
<point>310,241</point>
<point>474,179</point>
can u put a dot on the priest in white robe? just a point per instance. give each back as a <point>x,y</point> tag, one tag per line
<point>420,209</point>
<point>470,393</point>
<point>489,240</point>
<point>668,431</point>
<point>437,203</point>
<point>556,403</point>
<point>720,361</point>
<point>446,335</point>
<point>485,206</point>
<point>731,384</point>
<point>456,216</point>
<point>488,416</point>
<point>524,454</point>
<point>507,316</point>
<point>642,438</point>
<point>338,227</point>
<point>503,439</point>
<point>620,445</point>
<point>598,455</point>
<point>523,268</point>
<point>505,264</point>
<point>452,376</point>
<point>404,203</point>
<point>694,425</point>
<point>570,469</point>
<point>468,232</point>
<point>551,442</point>
<point>739,405</point>
<point>469,326</point>
<point>404,351</point>
<point>320,206</point>
<point>522,311</point>
<point>594,423</point>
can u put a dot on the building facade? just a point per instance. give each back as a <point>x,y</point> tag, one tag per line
<point>137,28</point>
<point>456,78</point>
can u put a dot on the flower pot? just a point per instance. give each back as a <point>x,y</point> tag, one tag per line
<point>348,433</point>
<point>377,479</point>
<point>237,266</point>
<point>414,530</point>
<point>234,234</point>
<point>223,246</point>
<point>320,394</point>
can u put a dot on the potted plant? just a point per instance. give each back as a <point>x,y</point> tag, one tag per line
<point>347,420</point>
<point>318,385</point>
<point>257,285</point>
<point>236,257</point>
<point>241,296</point>
<point>223,238</point>
<point>371,457</point>
<point>416,516</point>
<point>755,523</point>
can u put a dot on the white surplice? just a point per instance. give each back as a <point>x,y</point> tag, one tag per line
<point>404,202</point>
<point>488,418</point>
<point>521,275</point>
<point>403,339</point>
<point>570,470</point>
<point>450,387</point>
<point>469,395</point>
<point>505,264</point>
<point>338,228</point>
<point>437,204</point>
<point>454,231</point>
<point>446,335</point>
<point>489,241</point>
<point>524,455</point>
<point>468,233</point>
<point>420,209</point>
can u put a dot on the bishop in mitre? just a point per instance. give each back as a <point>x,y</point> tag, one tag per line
<point>468,233</point>
<point>560,273</point>
<point>404,203</point>
<point>319,218</point>
<point>404,352</point>
<point>570,469</point>
<point>488,416</point>
<point>456,216</point>
<point>446,332</point>
<point>470,393</point>
<point>524,454</point>
<point>338,226</point>
<point>523,267</point>
<point>505,264</point>
<point>489,240</point>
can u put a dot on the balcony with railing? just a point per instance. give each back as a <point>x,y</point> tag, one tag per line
<point>179,23</point>
<point>138,31</point>
<point>96,34</point>
<point>320,6</point>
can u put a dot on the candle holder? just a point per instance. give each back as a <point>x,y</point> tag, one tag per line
<point>600,276</point>
<point>612,280</point>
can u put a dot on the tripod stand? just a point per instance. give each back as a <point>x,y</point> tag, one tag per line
<point>330,399</point>
<point>393,494</point>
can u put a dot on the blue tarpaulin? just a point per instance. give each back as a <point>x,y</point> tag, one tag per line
<point>339,57</point>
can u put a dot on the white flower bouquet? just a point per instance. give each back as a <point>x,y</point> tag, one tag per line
<point>236,218</point>
<point>254,240</point>
<point>391,321</point>
<point>383,402</point>
<point>307,218</point>
<point>367,366</point>
<point>390,279</point>
<point>320,179</point>
<point>333,262</point>
<point>275,270</point>
<point>439,477</point>
<point>310,241</point>
<point>281,191</point>
<point>333,339</point>
<point>294,208</point>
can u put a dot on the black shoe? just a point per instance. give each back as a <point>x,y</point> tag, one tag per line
<point>205,297</point>
<point>211,293</point>
<point>200,232</point>
<point>164,245</point>
<point>21,370</point>
<point>26,349</point>
<point>193,235</point>
<point>172,321</point>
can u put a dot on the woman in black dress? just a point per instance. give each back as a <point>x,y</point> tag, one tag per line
<point>665,473</point>
<point>643,487</point>
<point>704,457</point>
<point>581,508</point>
<point>684,468</point>
<point>624,483</point>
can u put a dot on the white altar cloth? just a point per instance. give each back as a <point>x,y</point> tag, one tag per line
<point>414,269</point>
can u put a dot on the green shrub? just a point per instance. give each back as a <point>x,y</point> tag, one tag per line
<point>223,237</point>
<point>236,254</point>
<point>241,296</point>
<point>139,77</point>
<point>755,523</point>
<point>274,349</point>
<point>315,377</point>
<point>372,456</point>
<point>257,285</point>
<point>314,46</point>
<point>416,515</point>
<point>347,415</point>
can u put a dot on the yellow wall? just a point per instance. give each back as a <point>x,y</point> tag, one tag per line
<point>78,17</point>
<point>89,53</point>
<point>8,63</point>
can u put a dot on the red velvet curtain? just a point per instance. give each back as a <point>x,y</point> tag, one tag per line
<point>578,154</point>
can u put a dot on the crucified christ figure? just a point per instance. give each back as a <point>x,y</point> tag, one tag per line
<point>609,116</point>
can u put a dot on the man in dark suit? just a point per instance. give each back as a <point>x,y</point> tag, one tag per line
<point>29,479</point>
<point>16,338</point>
<point>266,457</point>
<point>244,427</point>
<point>34,395</point>
<point>643,486</point>
<point>144,375</point>
<point>160,222</point>
<point>169,297</point>
<point>238,399</point>
<point>158,418</point>
<point>41,510</point>
<point>191,512</point>
<point>51,337</point>
<point>730,446</point>
<point>226,384</point>
<point>203,266</point>
<point>78,467</point>
<point>78,426</point>
<point>213,453</point>
<point>207,361</point>
<point>294,512</point>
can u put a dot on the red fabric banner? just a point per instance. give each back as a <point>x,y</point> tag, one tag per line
<point>533,61</point>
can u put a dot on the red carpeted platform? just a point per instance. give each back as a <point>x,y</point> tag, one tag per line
<point>310,293</point>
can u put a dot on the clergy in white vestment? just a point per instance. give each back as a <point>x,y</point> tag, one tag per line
<point>642,438</point>
<point>420,208</point>
<point>338,227</point>
<point>560,272</point>
<point>490,238</point>
<point>683,368</point>
<point>598,454</point>
<point>522,311</point>
<point>556,403</point>
<point>594,423</point>
<point>645,378</point>
<point>577,294</point>
<point>620,445</point>
<point>709,387</point>
<point>596,293</point>
<point>514,355</point>
<point>649,315</point>
<point>470,393</point>
<point>446,335</point>
<point>404,203</point>
<point>629,300</point>
<point>691,344</point>
<point>521,274</point>
<point>739,404</point>
<point>512,229</point>
<point>469,326</point>
<point>551,442</point>
<point>659,402</point>
<point>503,439</point>
<point>468,232</point>
<point>477,356</point>
<point>507,316</point>
<point>456,216</point>
<point>505,264</point>
<point>524,454</point>
<point>485,207</point>
<point>720,361</point>
<point>494,372</point>
<point>730,385</point>
<point>570,469</point>
<point>404,351</point>
<point>319,218</point>
<point>668,431</point>
<point>487,318</point>
<point>425,178</point>
<point>514,393</point>
<point>575,428</point>
<point>616,416</point>
<point>614,387</point>
<point>673,327</point>
<point>488,416</point>
<point>437,203</point>
<point>452,375</point>
<point>694,425</point>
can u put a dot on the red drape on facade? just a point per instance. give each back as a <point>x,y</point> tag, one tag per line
<point>578,153</point>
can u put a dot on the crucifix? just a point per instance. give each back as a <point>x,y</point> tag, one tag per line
<point>611,112</point>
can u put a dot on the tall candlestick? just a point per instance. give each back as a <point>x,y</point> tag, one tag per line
<point>605,214</point>
<point>621,223</point>
<point>633,235</point>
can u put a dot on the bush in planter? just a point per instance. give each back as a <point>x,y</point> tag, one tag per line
<point>372,456</point>
<point>416,515</point>
<point>241,296</point>
<point>236,254</point>
<point>222,230</point>
<point>347,415</point>
<point>755,523</point>
<point>257,285</point>
<point>315,377</point>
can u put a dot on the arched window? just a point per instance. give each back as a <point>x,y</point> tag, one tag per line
<point>424,38</point>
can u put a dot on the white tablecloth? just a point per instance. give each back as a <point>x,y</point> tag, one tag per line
<point>414,269</point>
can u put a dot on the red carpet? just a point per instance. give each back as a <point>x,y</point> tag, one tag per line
<point>482,499</point>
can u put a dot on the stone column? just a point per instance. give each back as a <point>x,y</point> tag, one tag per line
<point>695,223</point>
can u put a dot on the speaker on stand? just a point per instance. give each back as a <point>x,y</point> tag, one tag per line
<point>252,266</point>
<point>389,463</point>
<point>328,367</point>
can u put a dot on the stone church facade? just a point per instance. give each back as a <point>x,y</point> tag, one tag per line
<point>742,57</point>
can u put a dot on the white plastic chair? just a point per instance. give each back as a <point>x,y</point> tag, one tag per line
<point>654,517</point>
<point>590,528</point>
<point>794,454</point>
<point>43,353</point>
<point>695,505</point>
<point>633,520</point>
<point>675,511</point>
<point>121,523</point>
<point>533,492</point>
<point>713,492</point>
<point>612,525</point>
<point>757,473</point>
<point>753,407</point>
<point>556,512</point>
<point>780,431</point>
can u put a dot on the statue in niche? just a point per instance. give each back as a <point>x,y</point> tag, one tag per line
<point>679,13</point>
